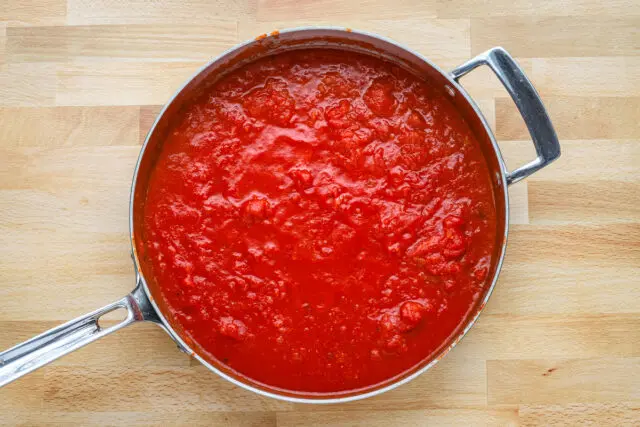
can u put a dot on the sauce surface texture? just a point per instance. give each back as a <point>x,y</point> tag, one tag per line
<point>319,221</point>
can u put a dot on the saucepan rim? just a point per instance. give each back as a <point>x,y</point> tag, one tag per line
<point>339,397</point>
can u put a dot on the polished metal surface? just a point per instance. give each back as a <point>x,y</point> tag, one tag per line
<point>528,102</point>
<point>141,304</point>
<point>46,347</point>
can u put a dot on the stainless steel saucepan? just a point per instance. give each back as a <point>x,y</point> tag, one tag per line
<point>143,303</point>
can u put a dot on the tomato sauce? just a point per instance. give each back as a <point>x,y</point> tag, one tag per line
<point>319,221</point>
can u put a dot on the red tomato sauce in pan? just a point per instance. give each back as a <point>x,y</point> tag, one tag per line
<point>319,221</point>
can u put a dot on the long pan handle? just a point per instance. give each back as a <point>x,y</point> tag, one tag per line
<point>55,343</point>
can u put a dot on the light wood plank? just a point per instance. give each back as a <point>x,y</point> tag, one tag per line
<point>588,76</point>
<point>148,389</point>
<point>120,42</point>
<point>148,115</point>
<point>65,127</point>
<point>563,381</point>
<point>613,244</point>
<point>64,278</point>
<point>140,418</point>
<point>549,282</point>
<point>597,414</point>
<point>173,12</point>
<point>24,395</point>
<point>44,12</point>
<point>458,380</point>
<point>121,83</point>
<point>27,84</point>
<point>563,269</point>
<point>436,38</point>
<point>93,177</point>
<point>518,8</point>
<point>576,118</point>
<point>488,109</point>
<point>572,203</point>
<point>3,42</point>
<point>37,297</point>
<point>519,203</point>
<point>557,336</point>
<point>314,10</point>
<point>582,161</point>
<point>553,36</point>
<point>142,345</point>
<point>440,417</point>
<point>482,83</point>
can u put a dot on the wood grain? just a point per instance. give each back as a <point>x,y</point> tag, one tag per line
<point>45,12</point>
<point>603,76</point>
<point>81,82</point>
<point>314,10</point>
<point>186,418</point>
<point>68,127</point>
<point>424,417</point>
<point>598,414</point>
<point>3,42</point>
<point>203,12</point>
<point>577,117</point>
<point>435,38</point>
<point>27,84</point>
<point>120,42</point>
<point>555,36</point>
<point>583,160</point>
<point>93,83</point>
<point>562,381</point>
<point>567,9</point>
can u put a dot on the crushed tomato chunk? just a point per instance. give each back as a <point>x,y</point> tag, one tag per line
<point>319,221</point>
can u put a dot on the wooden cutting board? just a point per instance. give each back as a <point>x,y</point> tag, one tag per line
<point>559,343</point>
